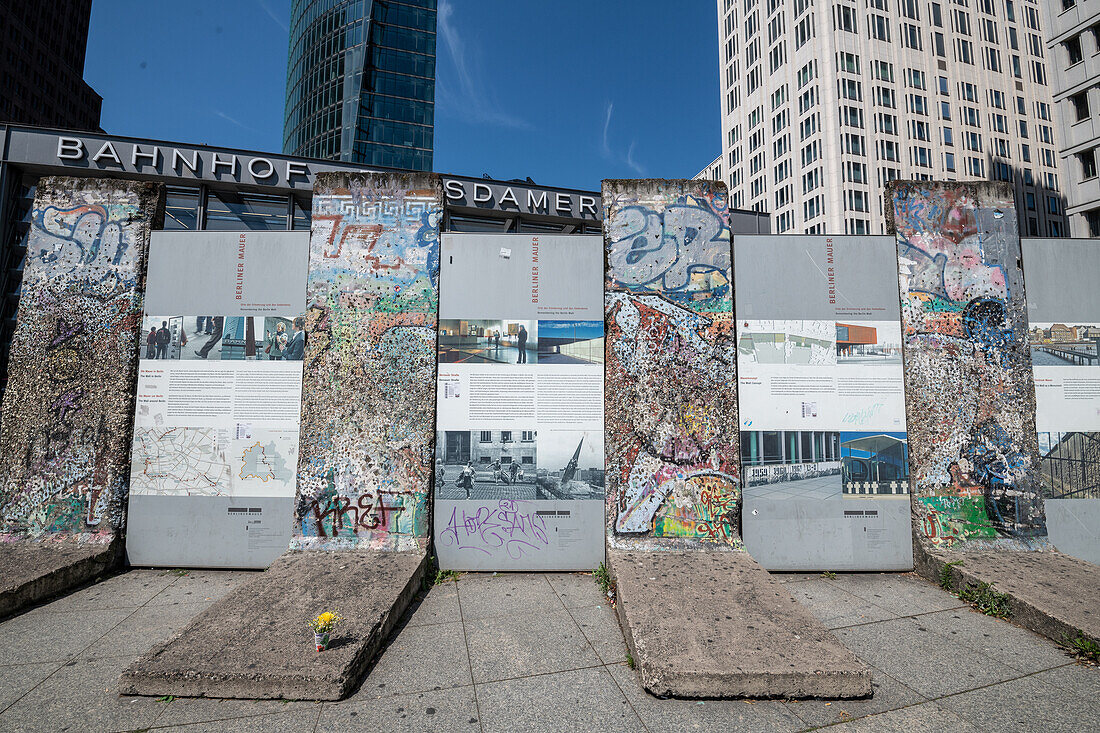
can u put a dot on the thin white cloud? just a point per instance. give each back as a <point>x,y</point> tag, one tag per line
<point>607,151</point>
<point>605,147</point>
<point>471,100</point>
<point>238,123</point>
<point>630,159</point>
<point>271,14</point>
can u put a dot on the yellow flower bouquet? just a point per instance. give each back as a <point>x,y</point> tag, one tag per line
<point>323,626</point>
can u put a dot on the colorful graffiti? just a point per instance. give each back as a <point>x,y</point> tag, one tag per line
<point>68,409</point>
<point>368,395</point>
<point>970,400</point>
<point>670,399</point>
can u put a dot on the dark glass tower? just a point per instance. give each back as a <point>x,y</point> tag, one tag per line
<point>360,82</point>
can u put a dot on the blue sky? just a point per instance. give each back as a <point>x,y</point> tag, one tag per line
<point>565,92</point>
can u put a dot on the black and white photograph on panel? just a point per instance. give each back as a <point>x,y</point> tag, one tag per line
<point>571,464</point>
<point>486,464</point>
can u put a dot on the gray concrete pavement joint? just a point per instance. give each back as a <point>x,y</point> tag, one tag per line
<point>469,659</point>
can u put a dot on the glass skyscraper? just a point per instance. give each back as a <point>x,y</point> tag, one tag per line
<point>360,82</point>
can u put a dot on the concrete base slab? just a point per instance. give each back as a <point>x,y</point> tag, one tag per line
<point>255,643</point>
<point>1050,593</point>
<point>32,572</point>
<point>716,624</point>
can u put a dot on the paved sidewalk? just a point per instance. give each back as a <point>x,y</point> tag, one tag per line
<point>544,652</point>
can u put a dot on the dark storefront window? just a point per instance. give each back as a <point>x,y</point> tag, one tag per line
<point>227,210</point>
<point>181,209</point>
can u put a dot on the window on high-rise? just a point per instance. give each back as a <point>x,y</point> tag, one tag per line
<point>844,18</point>
<point>1080,104</point>
<point>1088,163</point>
<point>949,162</point>
<point>878,27</point>
<point>1073,49</point>
<point>1092,218</point>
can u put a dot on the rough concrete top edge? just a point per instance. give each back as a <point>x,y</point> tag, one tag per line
<point>76,183</point>
<point>336,180</point>
<point>616,185</point>
<point>978,188</point>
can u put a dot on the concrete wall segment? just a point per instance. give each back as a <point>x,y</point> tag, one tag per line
<point>368,397</point>
<point>69,404</point>
<point>670,396</point>
<point>970,399</point>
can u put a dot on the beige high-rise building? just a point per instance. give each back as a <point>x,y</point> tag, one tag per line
<point>1073,40</point>
<point>824,101</point>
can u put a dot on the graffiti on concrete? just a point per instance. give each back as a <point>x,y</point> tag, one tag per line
<point>68,408</point>
<point>970,401</point>
<point>368,395</point>
<point>671,401</point>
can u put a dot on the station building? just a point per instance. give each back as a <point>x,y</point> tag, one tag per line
<point>213,188</point>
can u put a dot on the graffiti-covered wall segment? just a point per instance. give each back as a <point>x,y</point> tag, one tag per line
<point>368,395</point>
<point>970,401</point>
<point>670,397</point>
<point>68,409</point>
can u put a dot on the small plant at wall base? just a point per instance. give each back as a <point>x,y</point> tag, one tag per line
<point>946,576</point>
<point>604,580</point>
<point>630,661</point>
<point>829,575</point>
<point>1082,647</point>
<point>986,599</point>
<point>323,626</point>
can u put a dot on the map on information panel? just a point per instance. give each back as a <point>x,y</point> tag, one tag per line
<point>178,460</point>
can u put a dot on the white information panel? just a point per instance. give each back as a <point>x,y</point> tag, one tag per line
<point>519,445</point>
<point>215,450</point>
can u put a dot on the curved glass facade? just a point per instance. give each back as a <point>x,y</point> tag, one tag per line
<point>361,82</point>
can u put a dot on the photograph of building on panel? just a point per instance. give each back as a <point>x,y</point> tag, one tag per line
<point>163,337</point>
<point>874,464</point>
<point>1070,465</point>
<point>790,464</point>
<point>788,342</point>
<point>570,464</point>
<point>1062,344</point>
<point>240,337</point>
<point>486,464</point>
<point>570,342</point>
<point>488,342</point>
<point>874,343</point>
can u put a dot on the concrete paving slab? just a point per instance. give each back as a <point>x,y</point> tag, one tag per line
<point>143,627</point>
<point>293,721</point>
<point>483,595</point>
<point>901,594</point>
<point>82,695</point>
<point>254,643</point>
<point>889,694</point>
<point>502,647</point>
<point>54,637</point>
<point>32,572</point>
<point>720,716</point>
<point>716,624</point>
<point>834,606</point>
<point>921,659</point>
<point>420,658</point>
<point>17,680</point>
<point>438,606</point>
<point>194,586</point>
<point>126,590</point>
<point>1011,645</point>
<point>576,700</point>
<point>576,589</point>
<point>1050,593</point>
<point>928,717</point>
<point>998,707</point>
<point>600,627</point>
<point>437,710</point>
<point>190,710</point>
